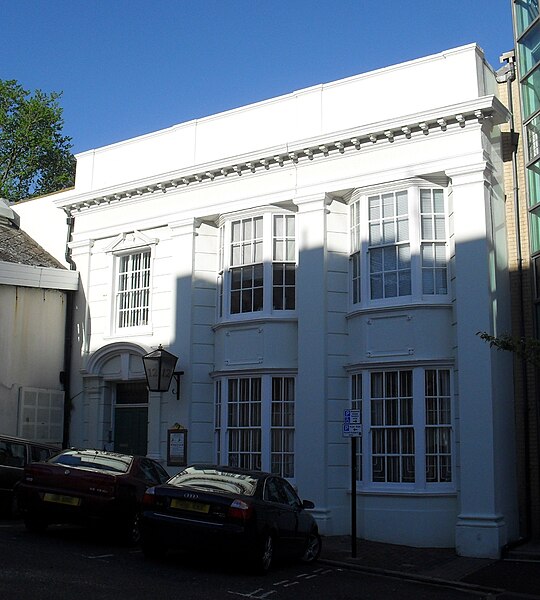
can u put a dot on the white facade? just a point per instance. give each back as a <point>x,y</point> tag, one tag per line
<point>338,246</point>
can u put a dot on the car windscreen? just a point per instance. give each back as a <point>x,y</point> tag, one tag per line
<point>217,481</point>
<point>117,463</point>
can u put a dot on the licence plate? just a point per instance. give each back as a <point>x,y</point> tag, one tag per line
<point>59,499</point>
<point>192,506</point>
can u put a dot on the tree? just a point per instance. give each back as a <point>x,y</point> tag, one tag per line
<point>35,156</point>
<point>525,347</point>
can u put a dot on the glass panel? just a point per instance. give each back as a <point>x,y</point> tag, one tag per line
<point>534,231</point>
<point>402,203</point>
<point>533,136</point>
<point>374,204</point>
<point>438,201</point>
<point>389,232</point>
<point>525,12</point>
<point>427,227</point>
<point>529,50</point>
<point>425,201</point>
<point>533,177</point>
<point>375,236</point>
<point>388,205</point>
<point>403,230</point>
<point>530,93</point>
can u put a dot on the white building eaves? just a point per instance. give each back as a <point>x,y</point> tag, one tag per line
<point>479,110</point>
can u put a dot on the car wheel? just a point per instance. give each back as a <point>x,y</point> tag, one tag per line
<point>264,554</point>
<point>34,524</point>
<point>313,548</point>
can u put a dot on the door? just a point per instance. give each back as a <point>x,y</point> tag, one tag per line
<point>131,418</point>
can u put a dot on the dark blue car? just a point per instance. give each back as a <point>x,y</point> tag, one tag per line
<point>225,509</point>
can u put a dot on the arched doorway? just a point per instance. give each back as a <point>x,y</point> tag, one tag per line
<point>116,399</point>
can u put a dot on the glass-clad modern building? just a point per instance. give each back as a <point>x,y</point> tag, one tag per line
<point>526,19</point>
<point>527,37</point>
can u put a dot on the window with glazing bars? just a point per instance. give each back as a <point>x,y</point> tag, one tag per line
<point>283,265</point>
<point>217,420</point>
<point>433,245</point>
<point>133,294</point>
<point>392,430</point>
<point>389,247</point>
<point>282,432</point>
<point>247,276</point>
<point>356,246</point>
<point>244,422</point>
<point>438,426</point>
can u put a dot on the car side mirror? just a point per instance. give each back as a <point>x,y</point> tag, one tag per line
<point>308,504</point>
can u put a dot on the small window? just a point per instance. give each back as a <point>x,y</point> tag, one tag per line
<point>133,290</point>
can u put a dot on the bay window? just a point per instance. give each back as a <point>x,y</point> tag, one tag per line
<point>255,423</point>
<point>257,264</point>
<point>399,244</point>
<point>407,427</point>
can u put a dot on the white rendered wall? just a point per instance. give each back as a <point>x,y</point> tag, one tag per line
<point>325,339</point>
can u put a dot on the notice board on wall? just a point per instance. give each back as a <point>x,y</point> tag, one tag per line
<point>177,446</point>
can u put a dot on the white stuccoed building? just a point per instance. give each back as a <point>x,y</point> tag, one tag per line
<point>336,247</point>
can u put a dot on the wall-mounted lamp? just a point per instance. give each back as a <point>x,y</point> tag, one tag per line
<point>159,368</point>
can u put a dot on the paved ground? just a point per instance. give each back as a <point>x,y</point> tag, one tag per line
<point>515,576</point>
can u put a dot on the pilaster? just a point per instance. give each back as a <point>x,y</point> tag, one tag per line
<point>311,306</point>
<point>482,525</point>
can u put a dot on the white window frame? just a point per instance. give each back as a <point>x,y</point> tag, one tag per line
<point>115,328</point>
<point>140,311</point>
<point>361,398</point>
<point>123,244</point>
<point>267,259</point>
<point>264,435</point>
<point>360,277</point>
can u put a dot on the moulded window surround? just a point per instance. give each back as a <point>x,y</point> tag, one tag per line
<point>132,297</point>
<point>399,245</point>
<point>257,264</point>
<point>407,416</point>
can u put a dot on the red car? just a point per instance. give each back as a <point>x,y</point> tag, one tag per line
<point>88,486</point>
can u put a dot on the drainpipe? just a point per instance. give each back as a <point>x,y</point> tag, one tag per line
<point>68,335</point>
<point>507,74</point>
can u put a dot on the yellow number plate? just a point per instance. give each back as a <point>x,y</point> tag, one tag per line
<point>70,500</point>
<point>192,506</point>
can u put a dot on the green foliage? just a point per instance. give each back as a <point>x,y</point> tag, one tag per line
<point>35,156</point>
<point>525,347</point>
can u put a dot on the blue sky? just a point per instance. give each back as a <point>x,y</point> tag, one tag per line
<point>129,67</point>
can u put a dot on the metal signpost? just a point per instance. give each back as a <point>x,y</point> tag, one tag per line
<point>352,428</point>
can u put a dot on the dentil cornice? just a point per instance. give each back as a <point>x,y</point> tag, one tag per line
<point>480,110</point>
